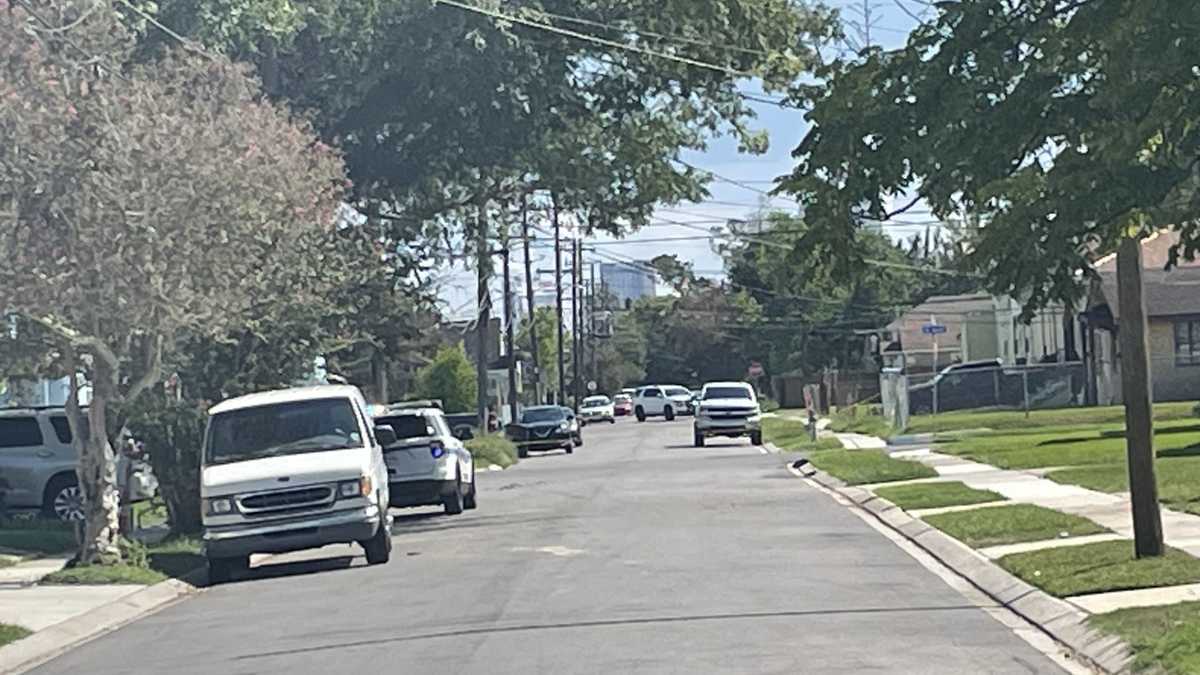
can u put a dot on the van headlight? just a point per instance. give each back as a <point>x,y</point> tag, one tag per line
<point>218,506</point>
<point>348,489</point>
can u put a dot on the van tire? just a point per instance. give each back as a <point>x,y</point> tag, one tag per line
<point>453,502</point>
<point>222,570</point>
<point>379,547</point>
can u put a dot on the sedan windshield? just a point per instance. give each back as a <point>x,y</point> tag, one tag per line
<point>726,392</point>
<point>282,429</point>
<point>543,415</point>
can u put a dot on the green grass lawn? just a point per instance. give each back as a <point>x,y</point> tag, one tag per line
<point>936,495</point>
<point>493,449</point>
<point>791,435</point>
<point>38,537</point>
<point>10,633</point>
<point>858,467</point>
<point>1165,638</point>
<point>144,565</point>
<point>1016,420</point>
<point>1070,446</point>
<point>861,423</point>
<point>994,526</point>
<point>1178,480</point>
<point>1100,567</point>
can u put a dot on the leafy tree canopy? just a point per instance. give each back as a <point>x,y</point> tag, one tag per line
<point>450,378</point>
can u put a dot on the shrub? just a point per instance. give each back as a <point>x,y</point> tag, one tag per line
<point>492,449</point>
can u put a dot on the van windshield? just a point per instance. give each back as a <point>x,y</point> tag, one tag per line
<point>282,429</point>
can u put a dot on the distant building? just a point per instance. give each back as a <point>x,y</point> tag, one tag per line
<point>626,282</point>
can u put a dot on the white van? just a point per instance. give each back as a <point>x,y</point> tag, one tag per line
<point>293,469</point>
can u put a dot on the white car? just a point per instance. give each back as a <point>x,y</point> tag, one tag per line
<point>727,409</point>
<point>658,400</point>
<point>427,465</point>
<point>289,470</point>
<point>597,409</point>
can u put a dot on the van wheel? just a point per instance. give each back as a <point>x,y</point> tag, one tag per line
<point>453,503</point>
<point>378,548</point>
<point>63,499</point>
<point>221,570</point>
<point>469,500</point>
<point>640,413</point>
<point>669,413</point>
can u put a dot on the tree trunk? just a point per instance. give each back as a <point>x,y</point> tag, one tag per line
<point>97,473</point>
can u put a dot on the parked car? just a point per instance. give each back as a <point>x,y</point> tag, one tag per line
<point>622,405</point>
<point>38,462</point>
<point>597,409</point>
<point>293,469</point>
<point>727,409</point>
<point>545,427</point>
<point>427,465</point>
<point>961,386</point>
<point>665,401</point>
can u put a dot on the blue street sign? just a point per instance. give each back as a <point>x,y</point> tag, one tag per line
<point>933,329</point>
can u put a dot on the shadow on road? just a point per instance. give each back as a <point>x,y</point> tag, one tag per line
<point>296,568</point>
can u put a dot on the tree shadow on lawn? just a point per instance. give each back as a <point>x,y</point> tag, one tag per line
<point>1117,433</point>
<point>1189,451</point>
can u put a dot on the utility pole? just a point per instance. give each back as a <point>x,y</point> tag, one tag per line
<point>533,336</point>
<point>483,295</point>
<point>509,333</point>
<point>558,301</point>
<point>1139,413</point>
<point>577,319</point>
<point>592,321</point>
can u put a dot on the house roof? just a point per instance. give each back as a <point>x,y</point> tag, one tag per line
<point>1168,293</point>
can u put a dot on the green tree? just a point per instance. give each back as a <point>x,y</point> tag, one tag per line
<point>145,204</point>
<point>450,378</point>
<point>621,358</point>
<point>547,331</point>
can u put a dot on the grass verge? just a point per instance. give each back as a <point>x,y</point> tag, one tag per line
<point>793,436</point>
<point>1019,523</point>
<point>10,633</point>
<point>1016,420</point>
<point>859,467</point>
<point>141,565</point>
<point>1178,480</point>
<point>936,495</point>
<point>1100,567</point>
<point>44,537</point>
<point>493,449</point>
<point>1164,638</point>
<point>860,421</point>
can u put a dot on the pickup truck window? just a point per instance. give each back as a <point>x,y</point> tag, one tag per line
<point>726,392</point>
<point>282,429</point>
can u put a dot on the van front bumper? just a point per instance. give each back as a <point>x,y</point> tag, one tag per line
<point>282,536</point>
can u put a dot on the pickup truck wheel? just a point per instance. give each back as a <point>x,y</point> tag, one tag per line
<point>453,503</point>
<point>379,547</point>
<point>221,570</point>
<point>669,413</point>
<point>612,420</point>
<point>697,438</point>
<point>756,438</point>
<point>640,413</point>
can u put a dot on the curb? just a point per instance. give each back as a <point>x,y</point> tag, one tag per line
<point>1057,618</point>
<point>44,645</point>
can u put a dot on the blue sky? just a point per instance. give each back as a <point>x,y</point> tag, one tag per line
<point>786,127</point>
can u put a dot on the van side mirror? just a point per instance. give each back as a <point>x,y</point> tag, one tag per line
<point>385,435</point>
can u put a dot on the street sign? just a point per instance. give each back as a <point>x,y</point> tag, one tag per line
<point>591,385</point>
<point>933,329</point>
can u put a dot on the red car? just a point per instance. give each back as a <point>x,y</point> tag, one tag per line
<point>623,405</point>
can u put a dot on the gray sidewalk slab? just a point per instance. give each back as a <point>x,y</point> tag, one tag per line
<point>39,607</point>
<point>1098,603</point>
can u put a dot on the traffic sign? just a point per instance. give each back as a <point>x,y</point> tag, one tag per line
<point>591,385</point>
<point>933,329</point>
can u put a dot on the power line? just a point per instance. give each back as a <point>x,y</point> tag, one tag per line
<point>593,39</point>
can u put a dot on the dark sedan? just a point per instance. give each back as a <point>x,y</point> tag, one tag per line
<point>545,427</point>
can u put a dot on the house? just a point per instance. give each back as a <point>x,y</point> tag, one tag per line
<point>1173,317</point>
<point>979,327</point>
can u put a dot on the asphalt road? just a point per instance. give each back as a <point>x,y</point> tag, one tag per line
<point>637,554</point>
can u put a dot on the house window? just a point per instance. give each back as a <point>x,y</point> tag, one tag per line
<point>1187,343</point>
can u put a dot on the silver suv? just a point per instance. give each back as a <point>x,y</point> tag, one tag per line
<point>37,464</point>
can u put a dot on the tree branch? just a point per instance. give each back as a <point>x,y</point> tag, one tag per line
<point>90,343</point>
<point>152,373</point>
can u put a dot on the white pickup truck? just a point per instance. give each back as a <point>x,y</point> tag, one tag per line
<point>728,409</point>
